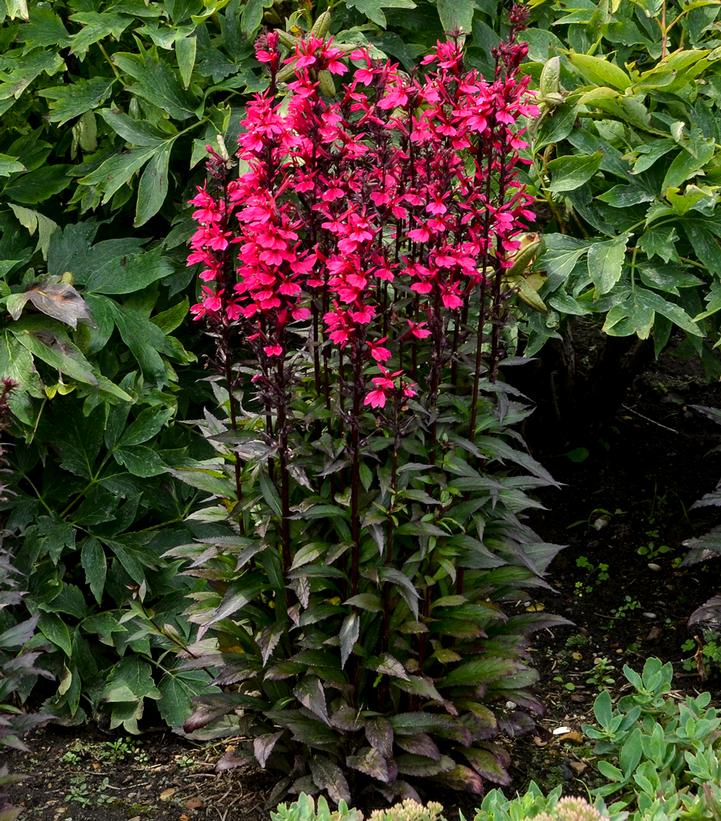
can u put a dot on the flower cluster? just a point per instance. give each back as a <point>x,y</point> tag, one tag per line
<point>375,209</point>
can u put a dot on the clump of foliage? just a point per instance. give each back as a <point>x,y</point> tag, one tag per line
<point>661,757</point>
<point>17,665</point>
<point>366,603</point>
<point>626,167</point>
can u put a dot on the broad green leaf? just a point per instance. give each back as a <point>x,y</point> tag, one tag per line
<point>373,9</point>
<point>674,313</point>
<point>157,83</point>
<point>55,349</point>
<point>131,679</point>
<point>149,422</point>
<point>35,221</point>
<point>605,263</point>
<point>144,339</point>
<point>456,15</point>
<point>686,164</point>
<point>134,132</point>
<point>16,8</point>
<point>599,71</point>
<point>96,26</point>
<point>70,101</point>
<point>10,165</point>
<point>117,170</point>
<point>128,274</point>
<point>140,460</point>
<point>177,691</point>
<point>659,242</point>
<point>92,558</point>
<point>153,186</point>
<point>185,50</point>
<point>704,243</point>
<point>624,196</point>
<point>25,71</point>
<point>38,185</point>
<point>55,630</point>
<point>571,172</point>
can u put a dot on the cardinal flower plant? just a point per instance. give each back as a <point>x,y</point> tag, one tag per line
<point>367,551</point>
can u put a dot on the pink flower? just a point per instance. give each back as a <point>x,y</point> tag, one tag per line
<point>272,350</point>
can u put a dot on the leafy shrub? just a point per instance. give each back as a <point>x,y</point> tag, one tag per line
<point>304,808</point>
<point>660,757</point>
<point>17,665</point>
<point>625,164</point>
<point>366,598</point>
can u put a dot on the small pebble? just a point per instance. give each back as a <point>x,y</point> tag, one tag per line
<point>649,615</point>
<point>653,566</point>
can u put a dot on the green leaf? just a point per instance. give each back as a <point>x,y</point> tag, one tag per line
<point>71,100</point>
<point>185,50</point>
<point>153,187</point>
<point>659,242</point>
<point>157,83</point>
<point>56,631</point>
<point>140,461</point>
<point>134,132</point>
<point>116,171</point>
<point>624,196</point>
<point>38,185</point>
<point>96,26</point>
<point>569,173</point>
<point>373,9</point>
<point>128,274</point>
<point>35,221</point>
<point>55,349</point>
<point>130,680</point>
<point>605,263</point>
<point>456,15</point>
<point>10,165</point>
<point>177,690</point>
<point>270,494</point>
<point>599,71</point>
<point>704,243</point>
<point>92,558</point>
<point>686,164</point>
<point>149,422</point>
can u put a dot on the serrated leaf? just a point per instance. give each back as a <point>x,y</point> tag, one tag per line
<point>311,695</point>
<point>605,263</point>
<point>177,690</point>
<point>371,762</point>
<point>263,746</point>
<point>329,777</point>
<point>485,763</point>
<point>71,100</point>
<point>157,83</point>
<point>379,733</point>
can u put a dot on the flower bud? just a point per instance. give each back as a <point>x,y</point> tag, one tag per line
<point>321,26</point>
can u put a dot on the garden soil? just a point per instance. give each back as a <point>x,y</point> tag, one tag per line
<point>624,511</point>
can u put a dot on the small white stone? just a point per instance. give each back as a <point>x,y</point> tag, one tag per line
<point>649,615</point>
<point>561,730</point>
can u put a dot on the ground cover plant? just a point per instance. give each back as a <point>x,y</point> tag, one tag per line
<point>365,600</point>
